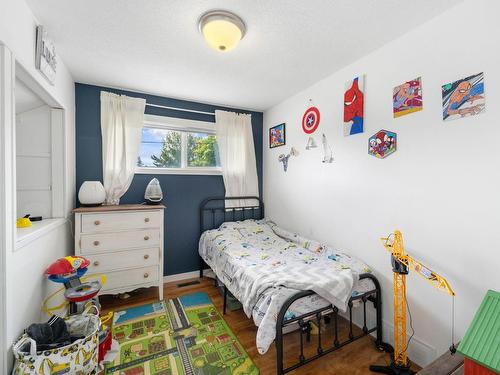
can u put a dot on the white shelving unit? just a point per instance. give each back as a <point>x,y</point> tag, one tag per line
<point>39,163</point>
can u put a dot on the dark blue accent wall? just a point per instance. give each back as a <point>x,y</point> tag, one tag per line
<point>183,193</point>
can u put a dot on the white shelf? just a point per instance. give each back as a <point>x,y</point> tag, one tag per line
<point>38,155</point>
<point>34,188</point>
<point>26,235</point>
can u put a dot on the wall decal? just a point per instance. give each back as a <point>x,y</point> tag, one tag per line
<point>327,150</point>
<point>284,158</point>
<point>277,136</point>
<point>407,98</point>
<point>464,97</point>
<point>310,120</point>
<point>382,144</point>
<point>311,143</point>
<point>354,106</point>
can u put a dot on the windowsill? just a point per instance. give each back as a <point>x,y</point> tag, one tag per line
<point>180,171</point>
<point>25,236</point>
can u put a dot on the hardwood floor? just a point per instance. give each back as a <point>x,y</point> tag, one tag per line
<point>353,359</point>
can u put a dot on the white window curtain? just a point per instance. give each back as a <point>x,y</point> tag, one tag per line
<point>237,156</point>
<point>122,119</point>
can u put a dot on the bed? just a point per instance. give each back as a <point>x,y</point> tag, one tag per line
<point>285,282</point>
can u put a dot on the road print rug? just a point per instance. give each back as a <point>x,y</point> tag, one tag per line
<point>181,336</point>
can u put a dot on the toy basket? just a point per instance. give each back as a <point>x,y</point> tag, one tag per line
<point>80,357</point>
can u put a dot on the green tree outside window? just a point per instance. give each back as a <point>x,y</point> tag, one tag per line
<point>201,151</point>
<point>170,154</point>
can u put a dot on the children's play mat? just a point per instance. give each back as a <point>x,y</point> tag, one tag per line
<point>184,336</point>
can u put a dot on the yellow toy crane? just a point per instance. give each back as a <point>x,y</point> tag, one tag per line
<point>402,263</point>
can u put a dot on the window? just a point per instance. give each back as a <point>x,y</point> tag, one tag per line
<point>178,146</point>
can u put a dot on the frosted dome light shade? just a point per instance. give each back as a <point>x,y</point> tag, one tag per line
<point>222,30</point>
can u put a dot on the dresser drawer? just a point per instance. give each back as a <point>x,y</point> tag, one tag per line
<point>131,278</point>
<point>123,259</point>
<point>108,222</point>
<point>102,242</point>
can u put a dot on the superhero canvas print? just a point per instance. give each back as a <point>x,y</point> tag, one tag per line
<point>382,144</point>
<point>407,98</point>
<point>354,106</point>
<point>464,97</point>
<point>277,136</point>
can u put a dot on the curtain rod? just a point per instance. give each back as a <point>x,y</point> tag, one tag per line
<point>180,109</point>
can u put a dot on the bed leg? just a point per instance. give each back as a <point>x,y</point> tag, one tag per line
<point>279,348</point>
<point>379,318</point>
<point>225,301</point>
<point>201,267</point>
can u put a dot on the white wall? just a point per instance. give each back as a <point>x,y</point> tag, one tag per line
<point>17,32</point>
<point>26,285</point>
<point>34,162</point>
<point>440,188</point>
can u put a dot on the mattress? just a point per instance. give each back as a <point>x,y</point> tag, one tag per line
<point>261,243</point>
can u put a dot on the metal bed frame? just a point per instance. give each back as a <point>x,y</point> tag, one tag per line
<point>213,213</point>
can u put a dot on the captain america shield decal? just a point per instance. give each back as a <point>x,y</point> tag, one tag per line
<point>310,120</point>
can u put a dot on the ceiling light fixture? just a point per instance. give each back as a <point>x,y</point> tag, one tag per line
<point>221,29</point>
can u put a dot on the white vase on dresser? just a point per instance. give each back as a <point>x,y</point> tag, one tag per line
<point>124,242</point>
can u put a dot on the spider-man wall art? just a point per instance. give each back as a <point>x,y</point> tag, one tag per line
<point>353,106</point>
<point>407,98</point>
<point>464,97</point>
<point>382,144</point>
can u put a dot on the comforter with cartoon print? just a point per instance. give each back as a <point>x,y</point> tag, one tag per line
<point>263,265</point>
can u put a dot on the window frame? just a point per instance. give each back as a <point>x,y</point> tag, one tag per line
<point>184,126</point>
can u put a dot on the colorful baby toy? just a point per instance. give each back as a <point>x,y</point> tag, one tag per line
<point>68,271</point>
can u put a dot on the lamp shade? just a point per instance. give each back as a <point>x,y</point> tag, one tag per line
<point>222,30</point>
<point>91,193</point>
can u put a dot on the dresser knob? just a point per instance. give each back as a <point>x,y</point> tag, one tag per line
<point>96,243</point>
<point>146,275</point>
<point>146,238</point>
<point>96,263</point>
<point>146,256</point>
<point>97,222</point>
<point>146,220</point>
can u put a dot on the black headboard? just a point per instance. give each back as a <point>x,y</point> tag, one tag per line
<point>213,211</point>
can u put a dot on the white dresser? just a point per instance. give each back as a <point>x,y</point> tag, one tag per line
<point>124,242</point>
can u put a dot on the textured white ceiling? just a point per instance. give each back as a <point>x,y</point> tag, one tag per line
<point>154,45</point>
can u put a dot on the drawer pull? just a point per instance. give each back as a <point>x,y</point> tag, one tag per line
<point>97,222</point>
<point>146,238</point>
<point>146,275</point>
<point>96,263</point>
<point>96,243</point>
<point>146,256</point>
<point>146,220</point>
